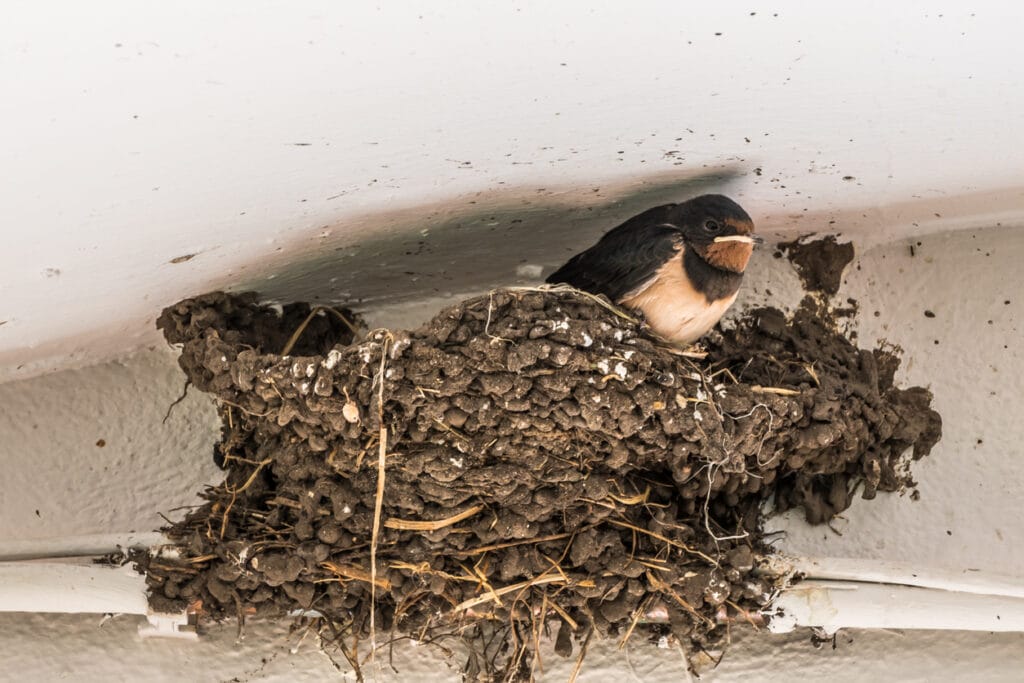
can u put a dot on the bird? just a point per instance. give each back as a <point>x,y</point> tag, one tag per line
<point>679,265</point>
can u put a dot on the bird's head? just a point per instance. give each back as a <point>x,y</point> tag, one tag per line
<point>718,230</point>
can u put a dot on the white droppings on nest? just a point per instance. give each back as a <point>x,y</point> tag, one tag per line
<point>304,387</point>
<point>696,414</point>
<point>333,356</point>
<point>590,380</point>
<point>389,373</point>
<point>169,551</point>
<point>346,510</point>
<point>399,346</point>
<point>364,355</point>
<point>764,596</point>
<point>617,335</point>
<point>597,398</point>
<point>560,325</point>
<point>717,591</point>
<point>701,396</point>
<point>603,366</point>
<point>587,340</point>
<point>223,359</point>
<point>620,370</point>
<point>456,461</point>
<point>296,369</point>
<point>695,376</point>
<point>628,354</point>
<point>310,369</point>
<point>663,643</point>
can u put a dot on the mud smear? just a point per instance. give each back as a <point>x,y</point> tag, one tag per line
<point>470,243</point>
<point>820,263</point>
<point>547,466</point>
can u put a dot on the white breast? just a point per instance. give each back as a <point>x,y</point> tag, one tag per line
<point>673,308</point>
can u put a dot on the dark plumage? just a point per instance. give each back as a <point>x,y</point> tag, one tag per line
<point>679,264</point>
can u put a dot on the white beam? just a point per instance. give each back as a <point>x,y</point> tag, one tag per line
<point>832,605</point>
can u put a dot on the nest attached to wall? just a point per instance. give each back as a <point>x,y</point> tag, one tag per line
<point>527,460</point>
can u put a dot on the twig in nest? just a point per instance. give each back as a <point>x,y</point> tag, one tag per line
<point>684,353</point>
<point>780,391</point>
<point>235,492</point>
<point>632,500</point>
<point>707,514</point>
<point>663,539</point>
<point>227,511</point>
<point>252,477</point>
<point>599,300</point>
<point>487,325</point>
<point>481,581</point>
<point>579,660</point>
<point>348,571</point>
<point>305,323</point>
<point>425,568</point>
<point>663,587</point>
<point>451,429</point>
<point>501,546</point>
<point>809,367</point>
<point>755,619</point>
<point>247,412</point>
<point>418,525</point>
<point>562,613</point>
<point>240,633</point>
<point>639,612</point>
<point>538,581</point>
<point>535,623</point>
<point>382,454</point>
<point>764,437</point>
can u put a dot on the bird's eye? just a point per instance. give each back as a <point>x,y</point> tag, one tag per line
<point>711,226</point>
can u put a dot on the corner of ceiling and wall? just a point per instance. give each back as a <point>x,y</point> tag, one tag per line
<point>399,158</point>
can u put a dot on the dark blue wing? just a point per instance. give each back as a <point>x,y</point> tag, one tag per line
<point>625,258</point>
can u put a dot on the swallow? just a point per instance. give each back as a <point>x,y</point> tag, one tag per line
<point>679,265</point>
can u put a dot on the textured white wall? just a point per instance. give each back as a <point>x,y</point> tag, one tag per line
<point>75,647</point>
<point>966,517</point>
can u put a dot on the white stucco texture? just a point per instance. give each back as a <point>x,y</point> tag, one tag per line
<point>964,519</point>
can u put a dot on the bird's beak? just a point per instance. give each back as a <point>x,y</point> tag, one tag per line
<point>747,239</point>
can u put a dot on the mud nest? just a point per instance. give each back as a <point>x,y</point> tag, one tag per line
<point>527,460</point>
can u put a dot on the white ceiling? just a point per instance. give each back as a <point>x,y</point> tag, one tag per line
<point>259,138</point>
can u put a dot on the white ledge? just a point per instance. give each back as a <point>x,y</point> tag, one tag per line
<point>832,605</point>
